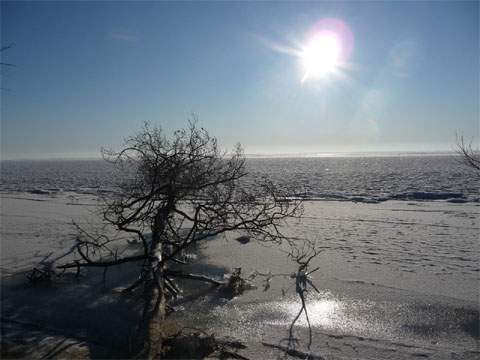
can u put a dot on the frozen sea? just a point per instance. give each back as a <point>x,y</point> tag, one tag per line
<point>358,178</point>
<point>399,271</point>
<point>427,213</point>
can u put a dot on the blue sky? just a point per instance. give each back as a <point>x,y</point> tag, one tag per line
<point>89,74</point>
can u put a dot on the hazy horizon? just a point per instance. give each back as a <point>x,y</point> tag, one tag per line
<point>253,155</point>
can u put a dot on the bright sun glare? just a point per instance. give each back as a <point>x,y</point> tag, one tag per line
<point>321,56</point>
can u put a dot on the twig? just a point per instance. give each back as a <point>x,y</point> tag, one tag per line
<point>293,352</point>
<point>193,277</point>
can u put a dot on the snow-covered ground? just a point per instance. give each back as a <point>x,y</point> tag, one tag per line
<point>397,279</point>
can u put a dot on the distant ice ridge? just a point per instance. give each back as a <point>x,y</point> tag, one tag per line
<point>411,196</point>
<point>351,154</point>
<point>51,177</point>
<point>373,179</point>
<point>359,179</point>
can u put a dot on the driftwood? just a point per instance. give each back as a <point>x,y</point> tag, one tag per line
<point>294,352</point>
<point>198,277</point>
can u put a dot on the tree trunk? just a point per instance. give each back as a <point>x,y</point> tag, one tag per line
<point>155,301</point>
<point>153,317</point>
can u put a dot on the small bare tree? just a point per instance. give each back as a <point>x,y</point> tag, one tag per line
<point>182,190</point>
<point>4,65</point>
<point>2,49</point>
<point>470,156</point>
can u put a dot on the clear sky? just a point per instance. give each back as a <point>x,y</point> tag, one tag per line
<point>89,74</point>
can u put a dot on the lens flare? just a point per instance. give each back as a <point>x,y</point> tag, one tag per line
<point>328,47</point>
<point>321,56</point>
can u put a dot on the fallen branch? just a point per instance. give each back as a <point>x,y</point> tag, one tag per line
<point>293,352</point>
<point>102,263</point>
<point>194,277</point>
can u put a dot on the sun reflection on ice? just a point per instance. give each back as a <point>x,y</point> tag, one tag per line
<point>322,312</point>
<point>329,312</point>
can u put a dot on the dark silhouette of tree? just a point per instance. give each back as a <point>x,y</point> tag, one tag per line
<point>470,156</point>
<point>4,65</point>
<point>182,190</point>
<point>2,49</point>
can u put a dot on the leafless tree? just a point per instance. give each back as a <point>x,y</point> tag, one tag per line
<point>470,156</point>
<point>182,190</point>
<point>4,65</point>
<point>302,254</point>
<point>2,49</point>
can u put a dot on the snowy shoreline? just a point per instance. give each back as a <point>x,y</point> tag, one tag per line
<point>396,274</point>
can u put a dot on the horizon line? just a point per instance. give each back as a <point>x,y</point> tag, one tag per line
<point>311,154</point>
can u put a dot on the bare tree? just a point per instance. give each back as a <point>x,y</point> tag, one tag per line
<point>182,190</point>
<point>4,65</point>
<point>470,156</point>
<point>302,254</point>
<point>2,49</point>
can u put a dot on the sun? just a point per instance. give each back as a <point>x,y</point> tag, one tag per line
<point>325,53</point>
<point>321,56</point>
